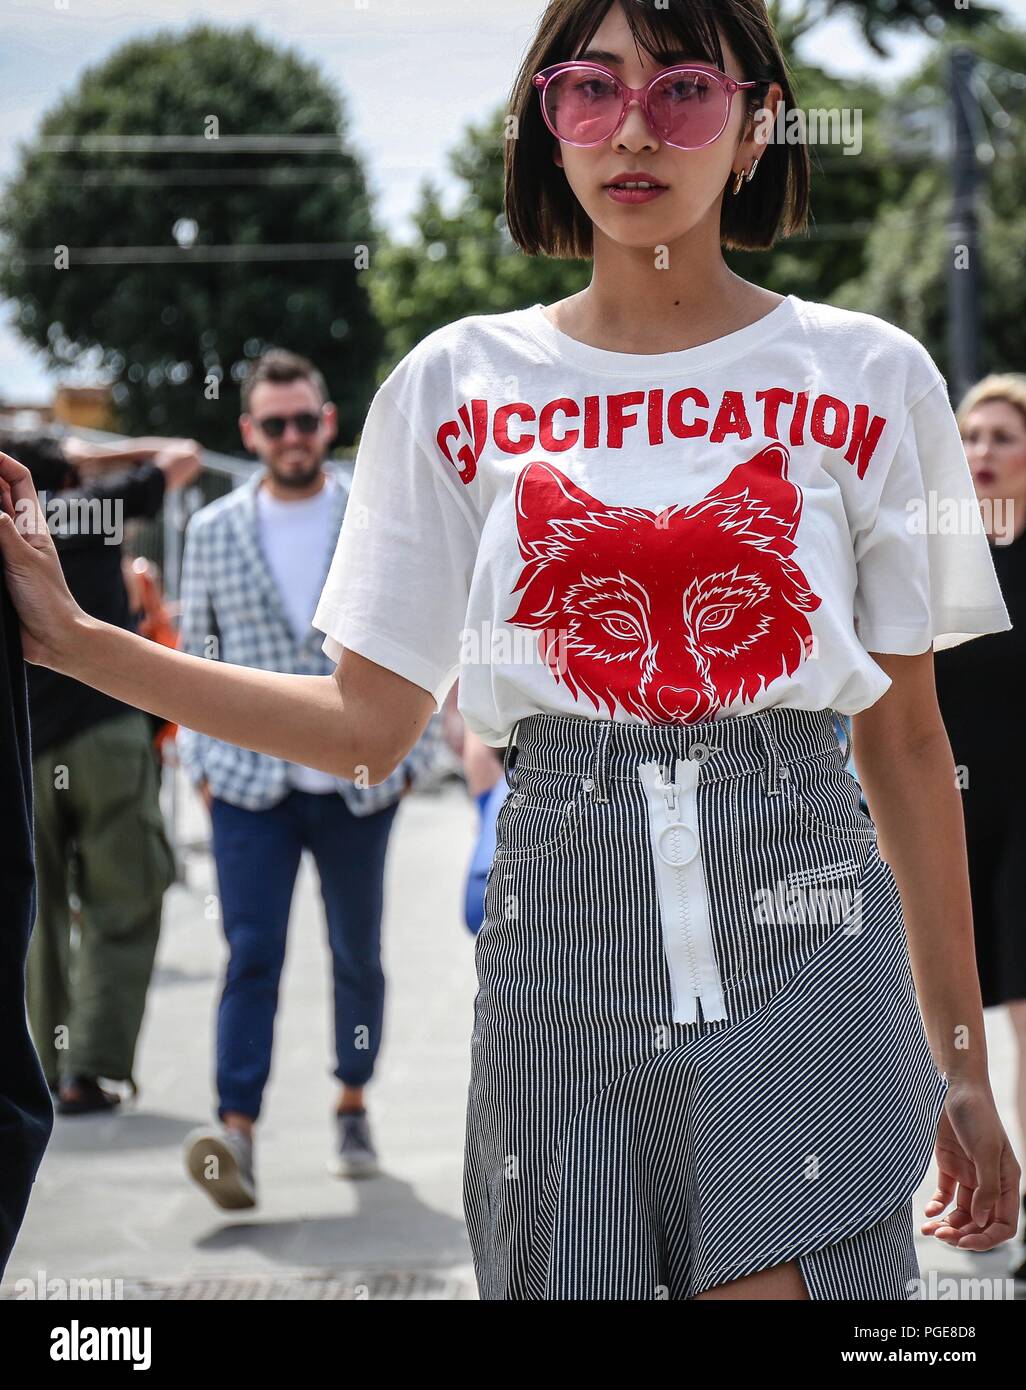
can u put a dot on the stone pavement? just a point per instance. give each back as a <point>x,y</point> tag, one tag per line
<point>112,1201</point>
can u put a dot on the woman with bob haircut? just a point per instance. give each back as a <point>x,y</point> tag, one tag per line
<point>659,531</point>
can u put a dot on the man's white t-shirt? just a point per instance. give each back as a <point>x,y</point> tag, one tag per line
<point>295,536</point>
<point>659,537</point>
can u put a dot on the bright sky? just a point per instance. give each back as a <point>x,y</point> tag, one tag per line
<point>451,66</point>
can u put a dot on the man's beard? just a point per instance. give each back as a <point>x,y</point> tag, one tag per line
<point>298,480</point>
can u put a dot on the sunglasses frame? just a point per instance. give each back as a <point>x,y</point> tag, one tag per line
<point>631,95</point>
<point>291,420</point>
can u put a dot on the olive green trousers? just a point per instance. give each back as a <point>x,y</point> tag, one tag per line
<point>100,834</point>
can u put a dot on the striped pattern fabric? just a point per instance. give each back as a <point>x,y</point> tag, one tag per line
<point>613,1152</point>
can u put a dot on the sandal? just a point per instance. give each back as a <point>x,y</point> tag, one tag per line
<point>91,1098</point>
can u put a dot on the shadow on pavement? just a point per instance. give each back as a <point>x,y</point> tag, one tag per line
<point>388,1210</point>
<point>135,1129</point>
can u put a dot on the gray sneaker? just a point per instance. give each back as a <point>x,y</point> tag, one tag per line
<point>221,1162</point>
<point>355,1156</point>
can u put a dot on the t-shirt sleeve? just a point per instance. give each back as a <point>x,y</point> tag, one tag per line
<point>399,581</point>
<point>925,573</point>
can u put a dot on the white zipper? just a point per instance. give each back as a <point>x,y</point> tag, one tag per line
<point>683,894</point>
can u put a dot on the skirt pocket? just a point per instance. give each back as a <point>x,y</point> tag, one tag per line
<point>539,815</point>
<point>826,798</point>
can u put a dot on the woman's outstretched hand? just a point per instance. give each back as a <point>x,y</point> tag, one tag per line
<point>976,1170</point>
<point>46,609</point>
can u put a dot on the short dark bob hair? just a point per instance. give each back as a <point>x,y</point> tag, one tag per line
<point>542,214</point>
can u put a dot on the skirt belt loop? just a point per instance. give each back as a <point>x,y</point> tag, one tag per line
<point>598,772</point>
<point>509,755</point>
<point>774,769</point>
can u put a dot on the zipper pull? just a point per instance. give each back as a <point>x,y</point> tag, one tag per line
<point>671,795</point>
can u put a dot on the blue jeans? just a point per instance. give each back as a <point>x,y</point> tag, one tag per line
<point>488,804</point>
<point>258,854</point>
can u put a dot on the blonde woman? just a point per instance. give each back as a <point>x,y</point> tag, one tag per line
<point>980,688</point>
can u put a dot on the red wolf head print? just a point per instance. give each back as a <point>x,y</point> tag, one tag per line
<point>669,614</point>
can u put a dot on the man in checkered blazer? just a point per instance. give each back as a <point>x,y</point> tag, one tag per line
<point>254,566</point>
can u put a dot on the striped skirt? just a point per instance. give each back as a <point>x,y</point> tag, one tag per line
<point>697,1049</point>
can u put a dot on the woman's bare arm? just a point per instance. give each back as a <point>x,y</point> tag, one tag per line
<point>906,767</point>
<point>359,723</point>
<point>362,735</point>
<point>907,770</point>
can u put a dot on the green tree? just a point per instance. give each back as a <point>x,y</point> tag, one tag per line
<point>877,17</point>
<point>127,161</point>
<point>908,255</point>
<point>463,262</point>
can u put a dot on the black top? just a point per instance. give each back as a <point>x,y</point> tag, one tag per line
<point>61,707</point>
<point>25,1112</point>
<point>980,689</point>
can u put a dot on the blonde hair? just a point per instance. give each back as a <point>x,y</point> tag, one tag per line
<point>1003,386</point>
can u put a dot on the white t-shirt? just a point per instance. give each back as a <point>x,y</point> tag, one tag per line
<point>659,537</point>
<point>295,537</point>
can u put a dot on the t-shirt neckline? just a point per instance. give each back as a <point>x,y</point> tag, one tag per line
<point>649,364</point>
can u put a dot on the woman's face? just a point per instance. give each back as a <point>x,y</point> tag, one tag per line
<point>693,181</point>
<point>994,435</point>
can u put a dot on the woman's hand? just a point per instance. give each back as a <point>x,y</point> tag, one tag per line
<point>974,1156</point>
<point>46,609</point>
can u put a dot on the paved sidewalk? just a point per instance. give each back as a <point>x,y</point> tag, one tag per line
<point>112,1201</point>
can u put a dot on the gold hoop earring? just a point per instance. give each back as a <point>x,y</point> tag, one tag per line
<point>741,177</point>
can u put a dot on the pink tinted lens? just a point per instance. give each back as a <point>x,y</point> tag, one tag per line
<point>689,108</point>
<point>582,106</point>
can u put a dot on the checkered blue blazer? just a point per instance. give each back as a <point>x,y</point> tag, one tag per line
<point>229,592</point>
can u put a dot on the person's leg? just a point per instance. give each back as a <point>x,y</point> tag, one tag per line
<point>1017,1018</point>
<point>48,964</point>
<point>877,1262</point>
<point>781,1282</point>
<point>1008,949</point>
<point>1007,984</point>
<point>350,855</point>
<point>125,867</point>
<point>257,854</point>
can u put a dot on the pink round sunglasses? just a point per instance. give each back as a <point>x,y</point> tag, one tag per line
<point>688,106</point>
